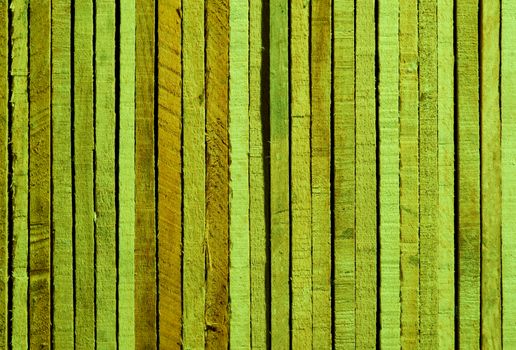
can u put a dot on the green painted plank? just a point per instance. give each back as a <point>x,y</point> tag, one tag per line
<point>366,241</point>
<point>490,176</point>
<point>409,174</point>
<point>40,172</point>
<point>279,174</point>
<point>320,69</point>
<point>508,170</point>
<point>300,187</point>
<point>344,172</point>
<point>193,175</point>
<point>4,172</point>
<point>126,184</point>
<point>389,205</point>
<point>62,220</point>
<point>258,199</point>
<point>466,22</point>
<point>105,206</point>
<point>20,181</point>
<point>240,288</point>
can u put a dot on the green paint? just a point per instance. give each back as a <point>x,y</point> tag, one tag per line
<point>4,171</point>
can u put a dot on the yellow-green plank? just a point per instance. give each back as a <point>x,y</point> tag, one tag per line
<point>320,68</point>
<point>63,316</point>
<point>4,171</point>
<point>301,254</point>
<point>40,175</point>
<point>193,175</point>
<point>344,172</point>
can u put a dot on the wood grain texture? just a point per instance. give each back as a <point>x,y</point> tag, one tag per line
<point>40,175</point>
<point>169,173</point>
<point>279,174</point>
<point>62,200</point>
<point>321,144</point>
<point>490,176</point>
<point>4,173</point>
<point>344,173</point>
<point>366,222</point>
<point>409,174</point>
<point>300,186</point>
<point>466,22</point>
<point>194,174</point>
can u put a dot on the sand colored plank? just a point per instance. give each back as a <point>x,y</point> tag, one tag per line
<point>40,175</point>
<point>446,218</point>
<point>217,173</point>
<point>62,219</point>
<point>4,172</point>
<point>193,175</point>
<point>240,288</point>
<point>105,206</point>
<point>20,181</point>
<point>169,172</point>
<point>258,199</point>
<point>279,174</point>
<point>389,205</point>
<point>508,92</point>
<point>409,174</point>
<point>490,176</point>
<point>83,162</point>
<point>344,172</point>
<point>301,230</point>
<point>366,242</point>
<point>126,175</point>
<point>320,68</point>
<point>145,235</point>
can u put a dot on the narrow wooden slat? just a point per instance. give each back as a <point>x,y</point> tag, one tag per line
<point>366,241</point>
<point>105,209</point>
<point>389,205</point>
<point>126,175</point>
<point>4,172</point>
<point>490,176</point>
<point>169,172</point>
<point>344,172</point>
<point>279,174</point>
<point>63,304</point>
<point>145,235</point>
<point>20,165</point>
<point>83,162</point>
<point>193,174</point>
<point>240,288</point>
<point>300,187</point>
<point>258,200</point>
<point>40,175</point>
<point>217,173</point>
<point>320,68</point>
<point>409,174</point>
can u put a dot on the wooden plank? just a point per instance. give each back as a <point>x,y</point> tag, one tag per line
<point>409,174</point>
<point>40,175</point>
<point>126,175</point>
<point>105,206</point>
<point>366,232</point>
<point>508,92</point>
<point>490,176</point>
<point>83,163</point>
<point>193,175</point>
<point>389,199</point>
<point>279,174</point>
<point>344,172</point>
<point>258,199</point>
<point>20,181</point>
<point>300,187</point>
<point>466,22</point>
<point>4,174</point>
<point>217,173</point>
<point>145,235</point>
<point>169,172</point>
<point>240,288</point>
<point>320,69</point>
<point>62,200</point>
